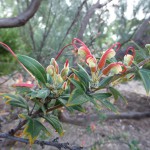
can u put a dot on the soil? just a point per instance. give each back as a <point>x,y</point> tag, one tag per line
<point>111,134</point>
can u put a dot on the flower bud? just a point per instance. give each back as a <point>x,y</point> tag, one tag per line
<point>50,70</point>
<point>110,53</point>
<point>114,68</point>
<point>65,70</point>
<point>59,79</point>
<point>64,86</point>
<point>54,63</point>
<point>27,85</point>
<point>83,51</point>
<point>92,62</point>
<point>128,59</point>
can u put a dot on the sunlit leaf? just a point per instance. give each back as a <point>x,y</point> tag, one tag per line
<point>34,67</point>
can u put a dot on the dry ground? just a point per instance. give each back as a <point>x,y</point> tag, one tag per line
<point>109,135</point>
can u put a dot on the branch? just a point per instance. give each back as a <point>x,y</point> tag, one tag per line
<point>85,120</point>
<point>87,17</point>
<point>73,22</point>
<point>22,18</point>
<point>53,143</point>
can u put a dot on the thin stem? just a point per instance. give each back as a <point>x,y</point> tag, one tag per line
<point>53,108</point>
<point>32,109</point>
<point>62,51</point>
<point>15,56</point>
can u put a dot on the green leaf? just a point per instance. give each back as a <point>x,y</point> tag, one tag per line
<point>117,94</point>
<point>145,76</point>
<point>43,93</point>
<point>16,101</point>
<point>33,128</point>
<point>109,105</point>
<point>53,120</point>
<point>82,75</point>
<point>77,84</point>
<point>101,95</point>
<point>78,108</point>
<point>104,82</point>
<point>34,67</point>
<point>77,97</point>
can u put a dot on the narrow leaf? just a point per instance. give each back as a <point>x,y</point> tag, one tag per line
<point>77,84</point>
<point>109,105</point>
<point>101,95</point>
<point>117,94</point>
<point>104,82</point>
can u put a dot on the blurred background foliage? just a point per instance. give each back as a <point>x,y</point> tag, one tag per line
<point>57,22</point>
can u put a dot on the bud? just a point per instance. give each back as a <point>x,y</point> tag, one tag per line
<point>59,79</point>
<point>65,70</point>
<point>83,51</point>
<point>54,63</point>
<point>148,47</point>
<point>128,59</point>
<point>50,70</point>
<point>110,53</point>
<point>27,85</point>
<point>64,86</point>
<point>92,62</point>
<point>114,68</point>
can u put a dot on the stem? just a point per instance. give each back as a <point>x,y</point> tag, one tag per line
<point>15,56</point>
<point>53,108</point>
<point>62,51</point>
<point>38,142</point>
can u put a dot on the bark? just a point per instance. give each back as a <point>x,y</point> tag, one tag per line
<point>22,18</point>
<point>87,17</point>
<point>85,120</point>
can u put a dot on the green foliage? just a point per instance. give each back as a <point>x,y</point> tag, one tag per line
<point>33,128</point>
<point>145,76</point>
<point>16,101</point>
<point>117,94</point>
<point>34,67</point>
<point>55,91</point>
<point>54,122</point>
<point>77,97</point>
<point>104,82</point>
<point>12,38</point>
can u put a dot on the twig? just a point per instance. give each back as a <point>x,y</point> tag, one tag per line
<point>38,142</point>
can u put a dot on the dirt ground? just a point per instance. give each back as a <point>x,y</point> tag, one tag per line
<point>111,134</point>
